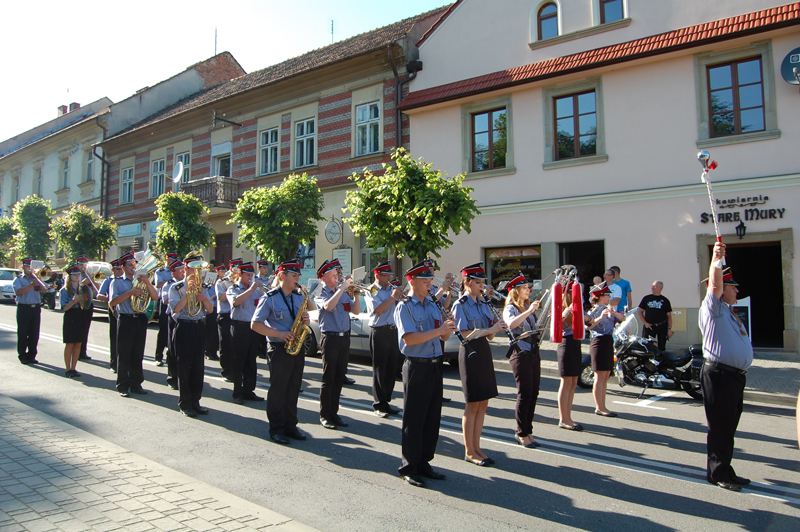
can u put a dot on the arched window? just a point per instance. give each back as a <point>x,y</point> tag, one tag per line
<point>548,21</point>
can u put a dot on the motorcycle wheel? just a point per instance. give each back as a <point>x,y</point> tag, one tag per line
<point>694,390</point>
<point>586,378</point>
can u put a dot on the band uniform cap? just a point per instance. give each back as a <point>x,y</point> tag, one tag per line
<point>292,266</point>
<point>192,256</point>
<point>395,282</point>
<point>474,271</point>
<point>327,266</point>
<point>727,278</point>
<point>246,267</point>
<point>172,255</point>
<point>262,262</point>
<point>600,289</point>
<point>27,261</point>
<point>175,265</point>
<point>235,263</point>
<point>116,263</point>
<point>384,267</point>
<point>82,260</point>
<point>517,282</point>
<point>421,271</point>
<point>222,267</point>
<point>127,257</point>
<point>73,269</point>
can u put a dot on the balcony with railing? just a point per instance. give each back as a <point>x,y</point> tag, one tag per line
<point>215,191</point>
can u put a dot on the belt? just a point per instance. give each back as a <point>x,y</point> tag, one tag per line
<point>335,333</point>
<point>421,360</point>
<point>393,327</point>
<point>188,321</point>
<point>725,367</point>
<point>657,324</point>
<point>29,305</point>
<point>131,315</point>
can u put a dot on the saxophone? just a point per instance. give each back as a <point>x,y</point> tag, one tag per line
<point>299,329</point>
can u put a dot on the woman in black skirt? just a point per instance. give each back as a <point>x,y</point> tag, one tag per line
<point>525,362</point>
<point>602,319</point>
<point>569,365</point>
<point>477,371</point>
<point>74,319</point>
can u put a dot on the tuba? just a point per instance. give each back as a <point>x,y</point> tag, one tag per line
<point>299,329</point>
<point>193,306</point>
<point>148,263</point>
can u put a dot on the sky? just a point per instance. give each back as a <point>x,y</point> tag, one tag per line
<point>59,52</point>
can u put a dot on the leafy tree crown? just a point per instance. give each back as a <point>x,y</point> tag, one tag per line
<point>182,228</point>
<point>31,219</point>
<point>80,231</point>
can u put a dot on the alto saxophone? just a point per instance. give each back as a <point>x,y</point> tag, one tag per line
<point>299,329</point>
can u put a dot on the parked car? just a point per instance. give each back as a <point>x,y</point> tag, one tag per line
<point>7,276</point>
<point>359,336</point>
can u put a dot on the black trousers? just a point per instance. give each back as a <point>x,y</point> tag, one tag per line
<point>383,346</point>
<point>335,355</point>
<point>131,336</point>
<point>162,340</point>
<point>224,329</point>
<point>212,335</point>
<point>285,381</point>
<point>527,369</point>
<point>29,319</point>
<point>723,398</point>
<point>172,360</point>
<point>190,346</point>
<point>112,335</point>
<point>87,319</point>
<point>245,352</point>
<point>659,332</point>
<point>422,413</point>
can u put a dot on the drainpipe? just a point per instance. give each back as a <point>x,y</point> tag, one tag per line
<point>105,169</point>
<point>412,67</point>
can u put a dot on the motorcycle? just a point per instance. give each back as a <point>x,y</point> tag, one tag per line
<point>49,297</point>
<point>639,362</point>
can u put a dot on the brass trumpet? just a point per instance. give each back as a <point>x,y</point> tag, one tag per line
<point>357,289</point>
<point>193,306</point>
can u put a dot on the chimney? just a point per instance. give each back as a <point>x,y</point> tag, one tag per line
<point>73,106</point>
<point>62,110</point>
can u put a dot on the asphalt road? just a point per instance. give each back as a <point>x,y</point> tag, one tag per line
<point>643,470</point>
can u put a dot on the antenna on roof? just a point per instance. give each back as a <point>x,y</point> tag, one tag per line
<point>331,31</point>
<point>215,40</point>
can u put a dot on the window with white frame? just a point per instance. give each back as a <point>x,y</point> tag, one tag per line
<point>222,165</point>
<point>65,174</point>
<point>368,125</point>
<point>269,151</point>
<point>89,164</point>
<point>126,189</point>
<point>39,183</point>
<point>15,189</point>
<point>184,158</point>
<point>304,143</point>
<point>157,179</point>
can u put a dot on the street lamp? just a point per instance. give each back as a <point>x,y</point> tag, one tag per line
<point>741,229</point>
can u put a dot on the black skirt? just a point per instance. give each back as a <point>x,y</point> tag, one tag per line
<point>601,348</point>
<point>569,357</point>
<point>74,326</point>
<point>477,372</point>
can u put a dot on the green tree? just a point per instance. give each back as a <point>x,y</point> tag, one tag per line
<point>411,208</point>
<point>183,228</point>
<point>274,221</point>
<point>31,219</point>
<point>80,231</point>
<point>6,236</point>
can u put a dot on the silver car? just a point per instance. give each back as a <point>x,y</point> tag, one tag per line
<point>7,276</point>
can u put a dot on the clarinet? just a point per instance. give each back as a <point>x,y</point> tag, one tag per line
<point>512,339</point>
<point>460,336</point>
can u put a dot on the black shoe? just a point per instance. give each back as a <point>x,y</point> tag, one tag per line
<point>740,480</point>
<point>296,435</point>
<point>139,391</point>
<point>238,400</point>
<point>226,378</point>
<point>172,383</point>
<point>264,357</point>
<point>489,460</point>
<point>339,422</point>
<point>327,424</point>
<point>203,411</point>
<point>125,393</point>
<point>68,373</point>
<point>393,409</point>
<point>251,396</point>
<point>84,357</point>
<point>159,363</point>
<point>113,370</point>
<point>481,463</point>
<point>445,399</point>
<point>730,486</point>
<point>431,474</point>
<point>279,438</point>
<point>188,412</point>
<point>381,413</point>
<point>348,381</point>
<point>414,480</point>
<point>212,357</point>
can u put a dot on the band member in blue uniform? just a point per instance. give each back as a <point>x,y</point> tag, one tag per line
<point>189,338</point>
<point>177,272</point>
<point>224,321</point>
<point>383,344</point>
<point>28,289</point>
<point>274,318</point>
<point>243,297</point>
<point>602,318</point>
<point>477,371</point>
<point>420,331</point>
<point>72,296</point>
<point>335,306</point>
<point>525,362</point>
<point>163,340</point>
<point>131,327</point>
<point>102,295</point>
<point>264,278</point>
<point>88,307</point>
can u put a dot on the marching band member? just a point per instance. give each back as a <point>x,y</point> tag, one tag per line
<point>177,272</point>
<point>83,263</point>
<point>163,340</point>
<point>602,319</point>
<point>383,344</point>
<point>345,380</point>
<point>569,365</point>
<point>335,305</point>
<point>102,295</point>
<point>224,322</point>
<point>263,278</point>
<point>525,362</point>
<point>131,327</point>
<point>189,339</point>
<point>420,328</point>
<point>274,318</point>
<point>212,335</point>
<point>477,371</point>
<point>28,289</point>
<point>72,331</point>
<point>243,297</point>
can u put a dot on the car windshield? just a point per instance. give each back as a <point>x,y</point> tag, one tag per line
<point>6,275</point>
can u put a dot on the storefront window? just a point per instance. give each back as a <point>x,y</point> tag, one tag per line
<point>504,263</point>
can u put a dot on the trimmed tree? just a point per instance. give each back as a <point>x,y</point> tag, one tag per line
<point>31,219</point>
<point>80,231</point>
<point>6,236</point>
<point>409,209</point>
<point>183,228</point>
<point>274,221</point>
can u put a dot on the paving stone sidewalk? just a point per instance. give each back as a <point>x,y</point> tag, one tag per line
<point>54,476</point>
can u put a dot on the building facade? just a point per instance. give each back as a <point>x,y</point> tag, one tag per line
<point>578,122</point>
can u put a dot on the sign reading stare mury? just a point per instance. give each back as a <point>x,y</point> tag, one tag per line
<point>750,209</point>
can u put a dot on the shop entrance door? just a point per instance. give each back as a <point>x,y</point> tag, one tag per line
<point>757,269</point>
<point>588,257</point>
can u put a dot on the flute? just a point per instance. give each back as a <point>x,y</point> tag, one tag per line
<point>446,316</point>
